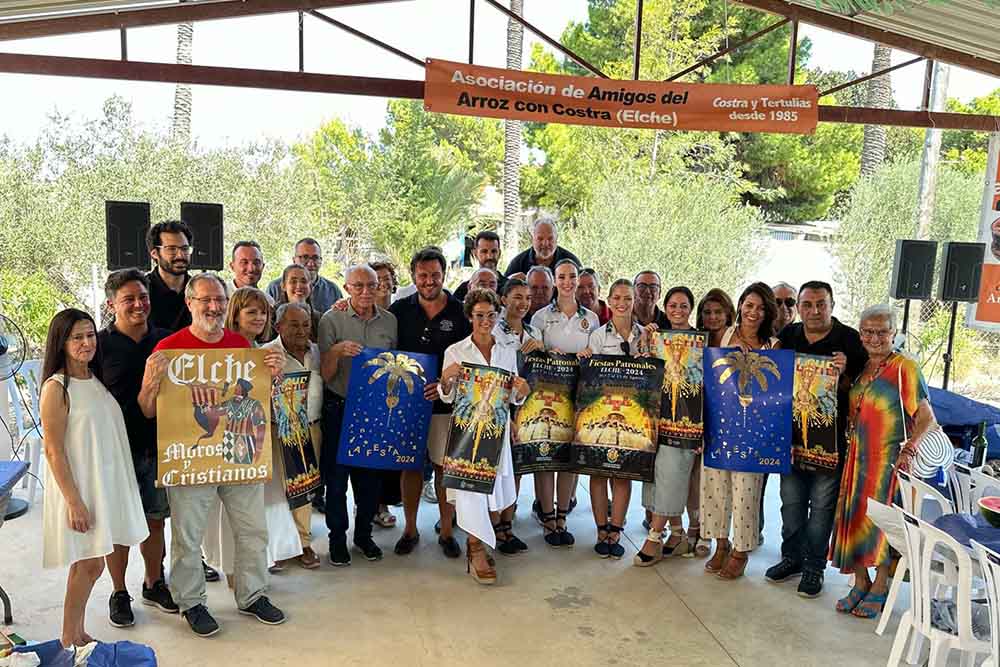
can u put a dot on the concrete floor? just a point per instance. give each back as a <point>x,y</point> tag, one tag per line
<point>550,607</point>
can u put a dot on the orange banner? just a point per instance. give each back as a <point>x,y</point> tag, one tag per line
<point>471,90</point>
<point>985,314</point>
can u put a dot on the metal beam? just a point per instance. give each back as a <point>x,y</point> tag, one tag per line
<point>729,49</point>
<point>180,13</point>
<point>211,76</point>
<point>123,38</point>
<point>638,41</point>
<point>873,34</point>
<point>472,30</point>
<point>925,98</point>
<point>868,77</point>
<point>552,42</point>
<point>302,42</point>
<point>366,37</point>
<point>793,51</point>
<point>899,118</point>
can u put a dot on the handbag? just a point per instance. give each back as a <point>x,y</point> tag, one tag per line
<point>934,450</point>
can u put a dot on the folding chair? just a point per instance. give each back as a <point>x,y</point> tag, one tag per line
<point>989,561</point>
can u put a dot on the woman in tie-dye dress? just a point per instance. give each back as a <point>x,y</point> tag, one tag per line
<point>889,385</point>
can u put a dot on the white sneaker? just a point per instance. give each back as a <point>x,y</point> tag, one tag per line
<point>429,494</point>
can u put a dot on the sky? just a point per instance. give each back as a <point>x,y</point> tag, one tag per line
<point>424,28</point>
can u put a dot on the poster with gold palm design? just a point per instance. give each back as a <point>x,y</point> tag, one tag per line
<point>293,437</point>
<point>683,387</point>
<point>386,418</point>
<point>748,409</point>
<point>543,426</point>
<point>478,420</point>
<point>617,408</point>
<point>814,412</point>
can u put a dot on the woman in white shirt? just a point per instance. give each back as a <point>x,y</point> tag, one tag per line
<point>621,336</point>
<point>566,327</point>
<point>734,497</point>
<point>478,512</point>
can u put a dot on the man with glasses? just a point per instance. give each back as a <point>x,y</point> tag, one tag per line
<point>190,506</point>
<point>247,264</point>
<point>170,245</point>
<point>342,335</point>
<point>647,297</point>
<point>809,494</point>
<point>325,292</point>
<point>430,321</point>
<point>784,295</point>
<point>487,253</point>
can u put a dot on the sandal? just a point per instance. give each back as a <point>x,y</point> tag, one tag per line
<point>735,566</point>
<point>551,530</point>
<point>642,559</point>
<point>486,576</point>
<point>700,547</point>
<point>718,560</point>
<point>615,549</point>
<point>846,605</point>
<point>505,544</point>
<point>871,606</point>
<point>566,537</point>
<point>680,548</point>
<point>602,542</point>
<point>385,519</point>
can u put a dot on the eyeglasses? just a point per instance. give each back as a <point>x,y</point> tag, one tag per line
<point>787,303</point>
<point>484,317</point>
<point>209,300</point>
<point>176,249</point>
<point>876,333</point>
<point>361,287</point>
<point>646,287</point>
<point>309,258</point>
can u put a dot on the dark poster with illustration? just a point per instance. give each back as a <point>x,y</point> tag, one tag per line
<point>292,435</point>
<point>683,387</point>
<point>542,432</point>
<point>478,421</point>
<point>386,417</point>
<point>617,407</point>
<point>748,409</point>
<point>814,411</point>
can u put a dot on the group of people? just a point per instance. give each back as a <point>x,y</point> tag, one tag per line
<point>98,404</point>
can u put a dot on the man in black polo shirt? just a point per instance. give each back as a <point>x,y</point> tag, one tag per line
<point>429,321</point>
<point>809,495</point>
<point>543,251</point>
<point>126,344</point>
<point>487,252</point>
<point>645,308</point>
<point>169,244</point>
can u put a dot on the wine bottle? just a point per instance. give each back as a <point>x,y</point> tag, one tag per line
<point>979,447</point>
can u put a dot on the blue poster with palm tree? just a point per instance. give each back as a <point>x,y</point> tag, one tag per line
<point>386,417</point>
<point>748,409</point>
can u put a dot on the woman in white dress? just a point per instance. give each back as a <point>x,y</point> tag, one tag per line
<point>566,328</point>
<point>91,495</point>
<point>478,512</point>
<point>249,315</point>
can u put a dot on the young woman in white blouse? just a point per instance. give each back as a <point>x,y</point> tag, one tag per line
<point>477,513</point>
<point>621,336</point>
<point>566,327</point>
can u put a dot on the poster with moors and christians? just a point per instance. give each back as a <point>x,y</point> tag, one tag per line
<point>543,426</point>
<point>748,409</point>
<point>617,408</point>
<point>681,403</point>
<point>814,413</point>
<point>294,437</point>
<point>386,417</point>
<point>213,418</point>
<point>478,419</point>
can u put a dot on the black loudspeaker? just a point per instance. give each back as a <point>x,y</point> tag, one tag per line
<point>913,269</point>
<point>125,227</point>
<point>205,221</point>
<point>961,270</point>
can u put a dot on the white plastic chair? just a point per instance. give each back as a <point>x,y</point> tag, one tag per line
<point>982,485</point>
<point>922,540</point>
<point>916,493</point>
<point>989,561</point>
<point>960,487</point>
<point>27,413</point>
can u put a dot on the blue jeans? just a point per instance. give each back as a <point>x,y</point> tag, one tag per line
<point>808,504</point>
<point>364,481</point>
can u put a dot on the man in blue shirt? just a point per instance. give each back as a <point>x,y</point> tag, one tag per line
<point>325,292</point>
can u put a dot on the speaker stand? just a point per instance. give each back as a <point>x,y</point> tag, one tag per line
<point>951,343</point>
<point>906,318</point>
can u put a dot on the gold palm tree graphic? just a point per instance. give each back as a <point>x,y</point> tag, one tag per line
<point>397,367</point>
<point>748,367</point>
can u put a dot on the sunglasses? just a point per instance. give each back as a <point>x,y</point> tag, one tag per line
<point>788,303</point>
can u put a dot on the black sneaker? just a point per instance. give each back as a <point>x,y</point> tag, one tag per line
<point>406,544</point>
<point>159,596</point>
<point>449,545</point>
<point>201,621</point>
<point>811,584</point>
<point>784,570</point>
<point>370,550</point>
<point>121,615</point>
<point>264,611</point>
<point>339,555</point>
<point>211,574</point>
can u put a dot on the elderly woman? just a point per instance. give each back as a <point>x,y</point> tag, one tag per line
<point>478,513</point>
<point>734,497</point>
<point>296,288</point>
<point>887,403</point>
